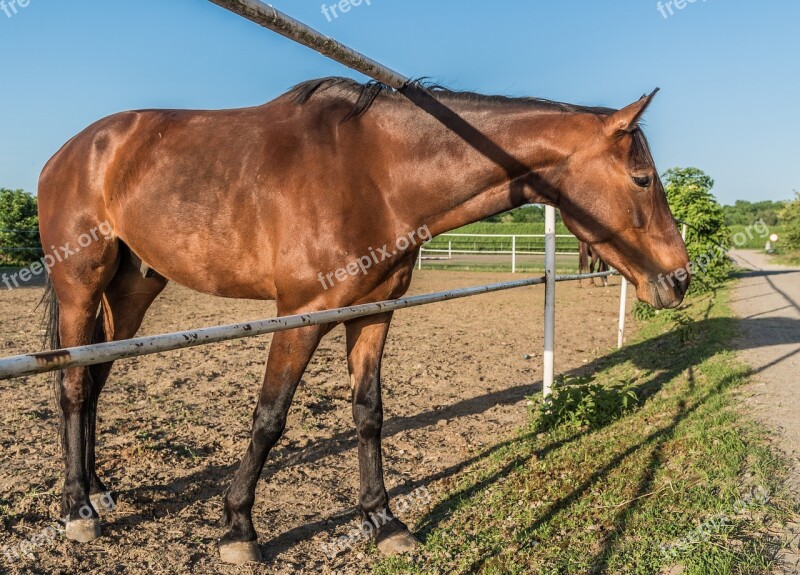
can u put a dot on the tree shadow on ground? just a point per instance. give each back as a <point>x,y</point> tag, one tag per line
<point>662,360</point>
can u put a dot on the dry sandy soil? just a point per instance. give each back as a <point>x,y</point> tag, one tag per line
<point>173,426</point>
<point>767,300</point>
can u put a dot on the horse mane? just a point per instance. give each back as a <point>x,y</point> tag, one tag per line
<point>365,95</point>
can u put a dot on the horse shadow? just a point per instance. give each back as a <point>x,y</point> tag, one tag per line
<point>663,358</point>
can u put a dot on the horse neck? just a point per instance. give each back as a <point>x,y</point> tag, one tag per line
<point>466,161</point>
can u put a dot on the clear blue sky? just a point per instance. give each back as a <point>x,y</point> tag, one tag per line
<point>728,69</point>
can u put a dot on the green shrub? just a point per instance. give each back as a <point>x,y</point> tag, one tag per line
<point>584,403</point>
<point>643,311</point>
<point>690,198</point>
<point>790,218</point>
<point>19,221</point>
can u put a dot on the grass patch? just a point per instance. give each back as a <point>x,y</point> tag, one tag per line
<point>656,470</point>
<point>582,403</point>
<point>791,259</point>
<point>508,228</point>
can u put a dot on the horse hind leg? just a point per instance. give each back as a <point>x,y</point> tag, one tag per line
<point>124,304</point>
<point>77,286</point>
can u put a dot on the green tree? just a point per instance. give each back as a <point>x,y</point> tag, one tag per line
<point>790,218</point>
<point>744,213</point>
<point>19,228</point>
<point>690,198</point>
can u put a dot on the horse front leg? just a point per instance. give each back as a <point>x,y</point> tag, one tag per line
<point>365,342</point>
<point>289,355</point>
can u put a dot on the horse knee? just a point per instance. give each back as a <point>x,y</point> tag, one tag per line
<point>74,392</point>
<point>368,416</point>
<point>268,426</point>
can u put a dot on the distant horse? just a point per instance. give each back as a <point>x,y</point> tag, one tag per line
<point>589,261</point>
<point>291,201</point>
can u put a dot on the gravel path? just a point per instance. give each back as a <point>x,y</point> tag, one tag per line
<point>767,300</point>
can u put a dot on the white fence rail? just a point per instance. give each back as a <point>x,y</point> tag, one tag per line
<point>445,246</point>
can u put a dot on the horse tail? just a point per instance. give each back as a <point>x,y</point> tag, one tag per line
<point>52,341</point>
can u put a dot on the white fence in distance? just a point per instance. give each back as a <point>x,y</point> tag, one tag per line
<point>512,245</point>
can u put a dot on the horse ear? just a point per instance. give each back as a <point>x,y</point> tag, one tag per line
<point>627,119</point>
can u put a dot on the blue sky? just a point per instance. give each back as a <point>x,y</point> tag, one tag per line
<point>728,69</point>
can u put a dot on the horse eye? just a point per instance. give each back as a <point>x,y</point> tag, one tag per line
<point>642,181</point>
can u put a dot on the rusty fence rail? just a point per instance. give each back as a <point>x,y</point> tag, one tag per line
<point>34,363</point>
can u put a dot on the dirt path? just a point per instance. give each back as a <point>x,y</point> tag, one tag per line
<point>174,426</point>
<point>768,301</point>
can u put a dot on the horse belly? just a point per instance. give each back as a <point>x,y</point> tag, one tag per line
<point>208,254</point>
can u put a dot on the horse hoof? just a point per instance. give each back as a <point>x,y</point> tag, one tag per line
<point>83,530</point>
<point>240,552</point>
<point>102,502</point>
<point>397,543</point>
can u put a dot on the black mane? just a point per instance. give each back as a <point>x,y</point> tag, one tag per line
<point>366,94</point>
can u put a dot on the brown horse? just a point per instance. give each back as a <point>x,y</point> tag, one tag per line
<point>590,261</point>
<point>267,202</point>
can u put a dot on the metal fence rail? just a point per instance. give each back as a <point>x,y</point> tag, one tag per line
<point>34,363</point>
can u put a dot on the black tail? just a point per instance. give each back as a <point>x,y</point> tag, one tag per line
<point>52,340</point>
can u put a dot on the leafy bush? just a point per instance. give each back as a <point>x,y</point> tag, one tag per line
<point>790,218</point>
<point>19,221</point>
<point>584,403</point>
<point>643,311</point>
<point>690,198</point>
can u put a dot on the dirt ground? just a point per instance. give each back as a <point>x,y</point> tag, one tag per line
<point>767,300</point>
<point>174,426</point>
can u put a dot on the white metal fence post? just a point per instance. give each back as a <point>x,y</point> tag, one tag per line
<point>450,250</point>
<point>419,259</point>
<point>549,299</point>
<point>623,303</point>
<point>513,254</point>
<point>684,232</point>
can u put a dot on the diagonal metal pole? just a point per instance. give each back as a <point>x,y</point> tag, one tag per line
<point>275,20</point>
<point>42,362</point>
